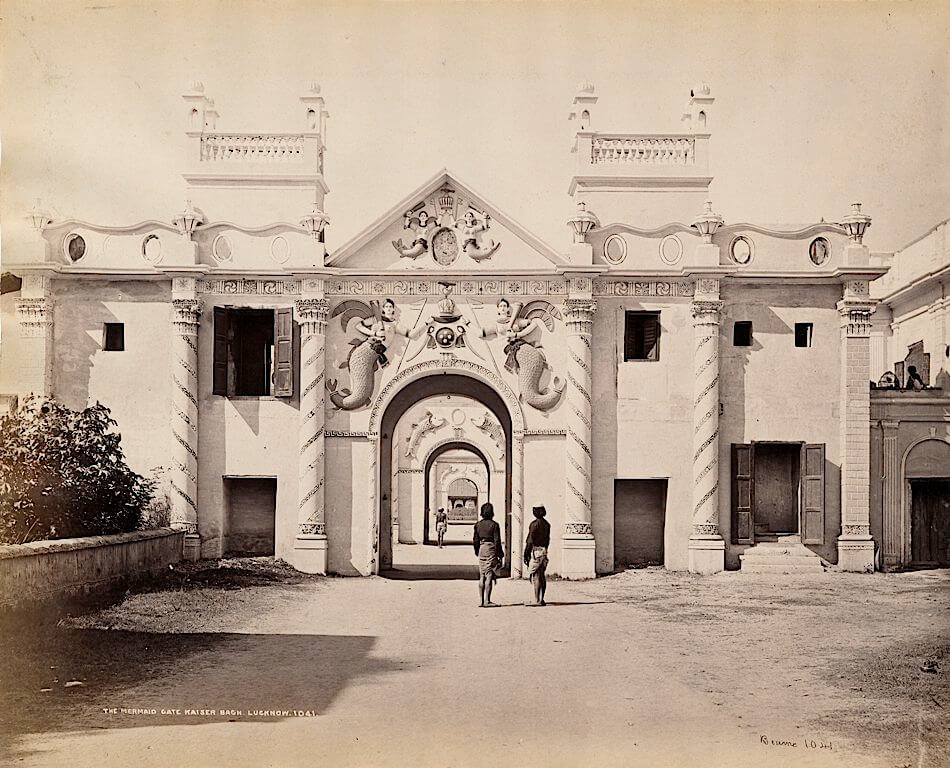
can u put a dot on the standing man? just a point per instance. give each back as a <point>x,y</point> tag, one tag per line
<point>536,553</point>
<point>487,541</point>
<point>441,525</point>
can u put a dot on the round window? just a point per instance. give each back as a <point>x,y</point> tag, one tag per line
<point>819,251</point>
<point>615,249</point>
<point>221,248</point>
<point>671,249</point>
<point>152,249</point>
<point>741,250</point>
<point>75,247</point>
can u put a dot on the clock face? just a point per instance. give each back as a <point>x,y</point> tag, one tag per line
<point>445,247</point>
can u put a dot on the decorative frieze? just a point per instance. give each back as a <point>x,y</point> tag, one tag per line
<point>659,288</point>
<point>248,287</point>
<point>545,432</point>
<point>348,434</point>
<point>464,287</point>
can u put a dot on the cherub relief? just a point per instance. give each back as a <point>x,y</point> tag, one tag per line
<point>419,223</point>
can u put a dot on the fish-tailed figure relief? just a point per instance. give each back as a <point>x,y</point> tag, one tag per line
<point>429,423</point>
<point>375,330</point>
<point>418,222</point>
<point>469,228</point>
<point>493,429</point>
<point>522,326</point>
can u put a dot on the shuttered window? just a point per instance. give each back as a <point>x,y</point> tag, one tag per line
<point>742,490</point>
<point>813,494</point>
<point>253,352</point>
<point>641,337</point>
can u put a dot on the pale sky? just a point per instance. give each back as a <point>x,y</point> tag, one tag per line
<point>817,105</point>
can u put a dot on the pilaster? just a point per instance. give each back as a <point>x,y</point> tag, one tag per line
<point>706,553</point>
<point>855,545</point>
<point>310,545</point>
<point>578,540</point>
<point>186,316</point>
<point>35,314</point>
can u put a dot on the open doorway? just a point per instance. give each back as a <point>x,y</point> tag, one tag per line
<point>445,443</point>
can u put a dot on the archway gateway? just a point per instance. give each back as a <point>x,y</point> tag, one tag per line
<point>430,503</point>
<point>419,389</point>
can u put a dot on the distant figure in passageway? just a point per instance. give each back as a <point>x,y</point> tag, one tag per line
<point>536,553</point>
<point>487,541</point>
<point>441,525</point>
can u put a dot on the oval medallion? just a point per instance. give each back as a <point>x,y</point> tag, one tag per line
<point>445,247</point>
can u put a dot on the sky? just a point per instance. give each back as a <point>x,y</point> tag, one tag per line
<point>817,105</point>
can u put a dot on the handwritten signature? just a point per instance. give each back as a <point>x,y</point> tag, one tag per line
<point>801,744</point>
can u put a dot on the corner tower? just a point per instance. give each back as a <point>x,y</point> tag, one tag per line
<point>647,179</point>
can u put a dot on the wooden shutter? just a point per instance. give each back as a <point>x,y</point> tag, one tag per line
<point>284,352</point>
<point>219,366</point>
<point>651,337</point>
<point>813,494</point>
<point>742,493</point>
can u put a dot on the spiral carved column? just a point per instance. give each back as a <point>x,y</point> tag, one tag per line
<point>184,462</point>
<point>578,543</point>
<point>516,545</point>
<point>310,547</point>
<point>706,552</point>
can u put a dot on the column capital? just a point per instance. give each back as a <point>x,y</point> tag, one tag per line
<point>312,315</point>
<point>579,315</point>
<point>856,316</point>
<point>706,311</point>
<point>35,316</point>
<point>186,315</point>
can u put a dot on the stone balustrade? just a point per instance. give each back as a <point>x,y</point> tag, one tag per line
<point>635,149</point>
<point>252,147</point>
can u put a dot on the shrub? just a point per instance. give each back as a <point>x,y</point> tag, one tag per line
<point>63,474</point>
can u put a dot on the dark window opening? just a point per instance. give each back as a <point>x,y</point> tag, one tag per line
<point>803,334</point>
<point>113,337</point>
<point>641,338</point>
<point>253,352</point>
<point>742,334</point>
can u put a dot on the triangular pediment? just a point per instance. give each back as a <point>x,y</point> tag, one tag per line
<point>444,226</point>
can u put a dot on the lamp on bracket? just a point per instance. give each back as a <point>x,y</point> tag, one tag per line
<point>708,222</point>
<point>582,222</point>
<point>315,222</point>
<point>856,223</point>
<point>38,217</point>
<point>188,220</point>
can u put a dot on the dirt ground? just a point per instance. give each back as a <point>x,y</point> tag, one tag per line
<point>249,663</point>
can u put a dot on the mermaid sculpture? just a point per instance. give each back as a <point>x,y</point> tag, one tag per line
<point>376,327</point>
<point>422,221</point>
<point>522,326</point>
<point>469,227</point>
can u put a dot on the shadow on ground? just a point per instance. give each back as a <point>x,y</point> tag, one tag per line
<point>149,670</point>
<point>424,572</point>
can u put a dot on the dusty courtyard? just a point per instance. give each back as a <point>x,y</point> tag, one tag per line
<point>249,664</point>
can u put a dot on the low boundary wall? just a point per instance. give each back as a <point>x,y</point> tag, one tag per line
<point>62,569</point>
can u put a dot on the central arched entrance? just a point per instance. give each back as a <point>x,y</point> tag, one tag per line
<point>432,385</point>
<point>464,494</point>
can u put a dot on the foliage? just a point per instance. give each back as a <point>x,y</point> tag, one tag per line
<point>63,474</point>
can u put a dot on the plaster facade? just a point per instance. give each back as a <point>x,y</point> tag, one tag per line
<point>613,357</point>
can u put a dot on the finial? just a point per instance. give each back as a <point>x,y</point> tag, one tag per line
<point>856,223</point>
<point>707,222</point>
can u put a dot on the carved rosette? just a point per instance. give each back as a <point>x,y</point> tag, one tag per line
<point>312,315</point>
<point>186,315</point>
<point>578,319</point>
<point>706,318</point>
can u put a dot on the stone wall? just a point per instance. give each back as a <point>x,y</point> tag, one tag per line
<point>50,571</point>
